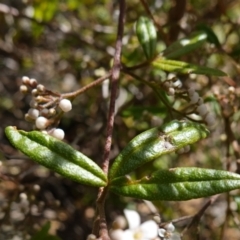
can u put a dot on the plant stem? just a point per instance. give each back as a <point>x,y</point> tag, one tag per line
<point>103,232</point>
<point>85,88</point>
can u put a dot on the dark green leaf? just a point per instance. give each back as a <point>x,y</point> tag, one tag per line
<point>211,36</point>
<point>177,184</point>
<point>147,36</point>
<point>153,143</point>
<point>57,156</point>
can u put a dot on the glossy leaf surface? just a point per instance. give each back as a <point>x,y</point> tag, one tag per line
<point>147,36</point>
<point>211,36</point>
<point>155,142</point>
<point>57,156</point>
<point>184,67</point>
<point>177,184</point>
<point>185,45</point>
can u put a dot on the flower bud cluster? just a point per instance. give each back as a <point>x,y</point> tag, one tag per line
<point>229,101</point>
<point>172,85</point>
<point>201,108</point>
<point>45,107</point>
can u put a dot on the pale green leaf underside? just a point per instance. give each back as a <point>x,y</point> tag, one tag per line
<point>177,184</point>
<point>57,156</point>
<point>184,67</point>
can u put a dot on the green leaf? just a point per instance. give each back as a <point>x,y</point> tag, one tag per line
<point>211,36</point>
<point>177,184</point>
<point>185,45</point>
<point>147,36</point>
<point>57,156</point>
<point>185,68</point>
<point>43,234</point>
<point>153,143</point>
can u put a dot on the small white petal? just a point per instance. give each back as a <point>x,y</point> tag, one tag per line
<point>129,235</point>
<point>149,229</point>
<point>133,218</point>
<point>117,234</point>
<point>65,105</point>
<point>161,232</point>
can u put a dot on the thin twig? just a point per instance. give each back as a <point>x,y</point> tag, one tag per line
<point>85,88</point>
<point>196,218</point>
<point>114,86</point>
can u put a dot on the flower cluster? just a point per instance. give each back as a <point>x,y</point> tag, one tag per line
<point>136,230</point>
<point>148,230</point>
<point>46,107</point>
<point>167,232</point>
<point>173,85</point>
<point>201,108</point>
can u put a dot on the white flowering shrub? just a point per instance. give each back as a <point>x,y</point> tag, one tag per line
<point>126,106</point>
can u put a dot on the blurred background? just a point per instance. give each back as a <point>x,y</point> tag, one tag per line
<point>66,44</point>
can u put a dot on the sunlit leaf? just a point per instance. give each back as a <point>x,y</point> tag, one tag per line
<point>211,36</point>
<point>147,36</point>
<point>57,156</point>
<point>185,45</point>
<point>177,184</point>
<point>183,67</point>
<point>153,143</point>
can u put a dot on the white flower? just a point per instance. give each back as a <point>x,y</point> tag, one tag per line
<point>145,231</point>
<point>167,233</point>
